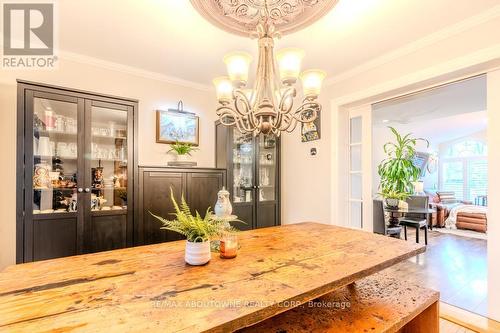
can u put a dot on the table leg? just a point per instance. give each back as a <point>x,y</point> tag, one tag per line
<point>418,235</point>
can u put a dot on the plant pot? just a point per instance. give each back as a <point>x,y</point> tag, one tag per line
<point>392,203</point>
<point>182,158</point>
<point>197,253</point>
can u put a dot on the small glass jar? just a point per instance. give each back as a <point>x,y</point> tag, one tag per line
<point>228,246</point>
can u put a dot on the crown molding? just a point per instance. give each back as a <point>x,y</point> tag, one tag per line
<point>421,43</point>
<point>82,59</point>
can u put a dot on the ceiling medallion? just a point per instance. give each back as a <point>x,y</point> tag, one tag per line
<point>242,17</point>
<point>267,107</point>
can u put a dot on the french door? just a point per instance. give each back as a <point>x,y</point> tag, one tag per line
<point>359,194</point>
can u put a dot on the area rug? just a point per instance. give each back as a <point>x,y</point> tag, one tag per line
<point>463,233</point>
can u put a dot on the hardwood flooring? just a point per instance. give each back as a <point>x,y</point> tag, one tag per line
<point>454,265</point>
<point>446,326</point>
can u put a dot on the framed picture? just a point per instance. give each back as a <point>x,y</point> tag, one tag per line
<point>174,125</point>
<point>312,131</point>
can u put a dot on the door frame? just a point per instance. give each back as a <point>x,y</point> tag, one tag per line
<point>433,77</point>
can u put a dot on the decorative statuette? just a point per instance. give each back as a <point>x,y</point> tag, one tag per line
<point>223,207</point>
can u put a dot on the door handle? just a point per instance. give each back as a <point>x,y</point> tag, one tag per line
<point>87,190</point>
<point>80,190</point>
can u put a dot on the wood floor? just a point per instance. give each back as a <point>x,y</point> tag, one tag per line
<point>446,326</point>
<point>454,265</point>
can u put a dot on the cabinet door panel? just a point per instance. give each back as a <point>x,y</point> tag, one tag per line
<point>202,190</point>
<point>54,238</point>
<point>245,213</point>
<point>266,215</point>
<point>108,232</point>
<point>156,199</point>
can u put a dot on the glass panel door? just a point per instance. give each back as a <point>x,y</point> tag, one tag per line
<point>55,156</point>
<point>267,168</point>
<point>109,155</point>
<point>243,161</point>
<point>355,172</point>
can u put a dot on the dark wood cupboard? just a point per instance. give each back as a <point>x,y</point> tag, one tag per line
<point>253,175</point>
<point>198,185</point>
<point>76,163</point>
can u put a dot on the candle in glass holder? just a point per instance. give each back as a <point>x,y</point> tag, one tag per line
<point>228,246</point>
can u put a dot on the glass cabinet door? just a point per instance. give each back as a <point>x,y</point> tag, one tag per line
<point>55,156</point>
<point>267,168</point>
<point>243,170</point>
<point>109,177</point>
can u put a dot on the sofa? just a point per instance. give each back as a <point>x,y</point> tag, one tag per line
<point>444,201</point>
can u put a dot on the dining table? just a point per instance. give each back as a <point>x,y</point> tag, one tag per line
<point>151,289</point>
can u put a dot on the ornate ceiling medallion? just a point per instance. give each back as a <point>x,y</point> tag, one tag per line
<point>242,17</point>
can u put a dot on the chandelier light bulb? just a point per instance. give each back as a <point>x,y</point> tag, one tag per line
<point>289,62</point>
<point>311,82</point>
<point>224,89</point>
<point>237,64</point>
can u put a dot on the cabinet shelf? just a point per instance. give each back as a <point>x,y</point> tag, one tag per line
<point>74,134</point>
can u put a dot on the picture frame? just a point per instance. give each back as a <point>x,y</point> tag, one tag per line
<point>311,131</point>
<point>177,125</point>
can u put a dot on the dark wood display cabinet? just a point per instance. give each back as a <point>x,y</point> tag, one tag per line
<point>198,185</point>
<point>253,175</point>
<point>77,157</point>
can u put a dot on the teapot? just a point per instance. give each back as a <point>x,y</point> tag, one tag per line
<point>223,207</point>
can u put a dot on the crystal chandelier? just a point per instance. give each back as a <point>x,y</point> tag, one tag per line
<point>268,107</point>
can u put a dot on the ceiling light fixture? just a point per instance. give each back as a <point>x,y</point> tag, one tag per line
<point>268,107</point>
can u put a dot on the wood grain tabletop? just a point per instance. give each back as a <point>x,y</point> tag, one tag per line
<point>151,288</point>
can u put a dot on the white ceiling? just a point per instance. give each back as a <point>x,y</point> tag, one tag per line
<point>454,99</point>
<point>169,37</point>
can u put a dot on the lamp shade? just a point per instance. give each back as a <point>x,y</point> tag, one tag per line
<point>311,82</point>
<point>223,88</point>
<point>289,62</point>
<point>237,64</point>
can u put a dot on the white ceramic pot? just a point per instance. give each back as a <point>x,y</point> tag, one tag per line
<point>182,158</point>
<point>391,202</point>
<point>197,253</point>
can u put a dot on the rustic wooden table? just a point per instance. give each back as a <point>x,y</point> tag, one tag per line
<point>150,288</point>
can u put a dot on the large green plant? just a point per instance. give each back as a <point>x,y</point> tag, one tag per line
<point>397,172</point>
<point>194,227</point>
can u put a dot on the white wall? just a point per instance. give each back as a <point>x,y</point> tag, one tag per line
<point>152,95</point>
<point>493,194</point>
<point>305,178</point>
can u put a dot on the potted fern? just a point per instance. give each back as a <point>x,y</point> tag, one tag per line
<point>197,230</point>
<point>181,150</point>
<point>397,172</point>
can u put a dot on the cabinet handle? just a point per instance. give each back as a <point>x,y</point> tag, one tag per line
<point>80,190</point>
<point>87,190</point>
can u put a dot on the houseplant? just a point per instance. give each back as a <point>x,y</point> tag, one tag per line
<point>197,230</point>
<point>397,172</point>
<point>182,150</point>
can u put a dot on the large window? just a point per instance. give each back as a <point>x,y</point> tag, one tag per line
<point>464,169</point>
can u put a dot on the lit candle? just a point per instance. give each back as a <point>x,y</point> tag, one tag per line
<point>228,246</point>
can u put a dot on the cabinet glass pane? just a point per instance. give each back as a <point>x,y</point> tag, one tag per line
<point>243,158</point>
<point>54,156</point>
<point>356,214</point>
<point>109,159</point>
<point>267,167</point>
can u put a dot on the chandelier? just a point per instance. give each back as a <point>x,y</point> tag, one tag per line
<point>268,107</point>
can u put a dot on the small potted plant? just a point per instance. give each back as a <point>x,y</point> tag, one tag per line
<point>181,150</point>
<point>392,198</point>
<point>197,230</point>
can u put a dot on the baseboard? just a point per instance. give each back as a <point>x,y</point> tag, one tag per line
<point>469,320</point>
